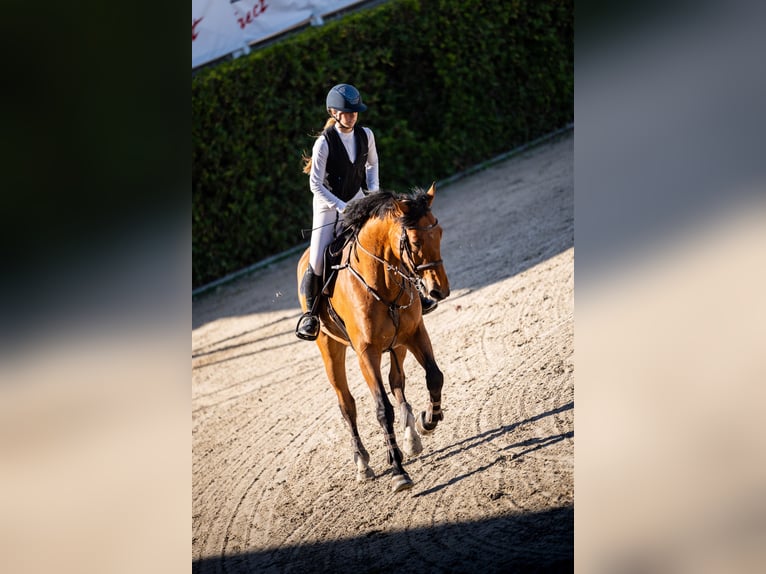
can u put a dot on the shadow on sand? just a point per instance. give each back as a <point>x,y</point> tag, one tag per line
<point>519,543</point>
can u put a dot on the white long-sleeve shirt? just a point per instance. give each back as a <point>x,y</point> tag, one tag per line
<point>318,175</point>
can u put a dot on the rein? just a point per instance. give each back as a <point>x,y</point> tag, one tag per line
<point>413,275</point>
<point>412,280</point>
<point>410,276</point>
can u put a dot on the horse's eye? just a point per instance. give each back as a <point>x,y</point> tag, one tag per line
<point>417,244</point>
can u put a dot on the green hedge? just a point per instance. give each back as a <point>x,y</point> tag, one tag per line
<point>448,83</point>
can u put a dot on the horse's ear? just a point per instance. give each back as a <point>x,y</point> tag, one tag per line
<point>401,208</point>
<point>430,193</point>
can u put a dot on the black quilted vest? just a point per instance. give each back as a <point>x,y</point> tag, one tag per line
<point>343,177</point>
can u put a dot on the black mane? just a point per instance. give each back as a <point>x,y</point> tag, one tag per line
<point>381,204</point>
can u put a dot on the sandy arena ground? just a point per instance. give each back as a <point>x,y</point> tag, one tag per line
<point>274,485</point>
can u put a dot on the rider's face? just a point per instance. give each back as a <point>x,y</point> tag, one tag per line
<point>347,119</point>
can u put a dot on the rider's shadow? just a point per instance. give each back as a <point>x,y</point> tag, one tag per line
<point>488,436</point>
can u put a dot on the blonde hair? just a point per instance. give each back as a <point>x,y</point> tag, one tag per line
<point>307,159</point>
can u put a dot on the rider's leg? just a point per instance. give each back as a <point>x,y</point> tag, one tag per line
<point>321,236</point>
<point>308,326</point>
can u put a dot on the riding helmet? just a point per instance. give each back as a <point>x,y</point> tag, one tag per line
<point>345,98</point>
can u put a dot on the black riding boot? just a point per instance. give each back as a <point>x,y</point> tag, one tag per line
<point>308,324</point>
<point>427,304</point>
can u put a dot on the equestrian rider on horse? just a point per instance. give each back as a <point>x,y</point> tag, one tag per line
<point>343,167</point>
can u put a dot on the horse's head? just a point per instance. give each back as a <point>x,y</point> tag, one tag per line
<point>421,242</point>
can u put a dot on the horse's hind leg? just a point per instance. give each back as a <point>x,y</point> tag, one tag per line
<point>423,351</point>
<point>411,443</point>
<point>369,362</point>
<point>334,357</point>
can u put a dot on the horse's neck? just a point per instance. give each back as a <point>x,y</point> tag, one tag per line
<point>376,238</point>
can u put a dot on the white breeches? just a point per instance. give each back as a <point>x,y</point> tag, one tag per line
<point>324,231</point>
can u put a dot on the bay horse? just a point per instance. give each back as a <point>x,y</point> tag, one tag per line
<point>374,308</point>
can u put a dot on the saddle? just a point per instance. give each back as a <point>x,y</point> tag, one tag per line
<point>332,257</point>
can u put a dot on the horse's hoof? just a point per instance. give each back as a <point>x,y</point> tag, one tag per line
<point>361,460</point>
<point>420,424</point>
<point>401,482</point>
<point>365,475</point>
<point>412,444</point>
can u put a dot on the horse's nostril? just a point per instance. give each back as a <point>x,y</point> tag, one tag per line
<point>436,294</point>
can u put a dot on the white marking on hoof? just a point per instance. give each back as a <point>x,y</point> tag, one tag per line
<point>363,470</point>
<point>412,444</point>
<point>365,475</point>
<point>401,482</point>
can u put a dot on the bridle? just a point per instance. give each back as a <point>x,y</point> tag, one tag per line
<point>413,274</point>
<point>407,270</point>
<point>406,247</point>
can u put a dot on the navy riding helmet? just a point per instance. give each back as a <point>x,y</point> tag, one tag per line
<point>345,98</point>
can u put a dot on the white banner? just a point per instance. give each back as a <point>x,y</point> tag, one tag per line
<point>215,32</point>
<point>259,19</point>
<point>220,27</point>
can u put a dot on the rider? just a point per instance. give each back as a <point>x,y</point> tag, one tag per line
<point>343,166</point>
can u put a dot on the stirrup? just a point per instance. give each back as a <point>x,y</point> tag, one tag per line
<point>305,329</point>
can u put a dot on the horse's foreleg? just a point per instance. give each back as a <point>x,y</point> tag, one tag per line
<point>334,357</point>
<point>411,443</point>
<point>423,351</point>
<point>369,362</point>
<point>428,419</point>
